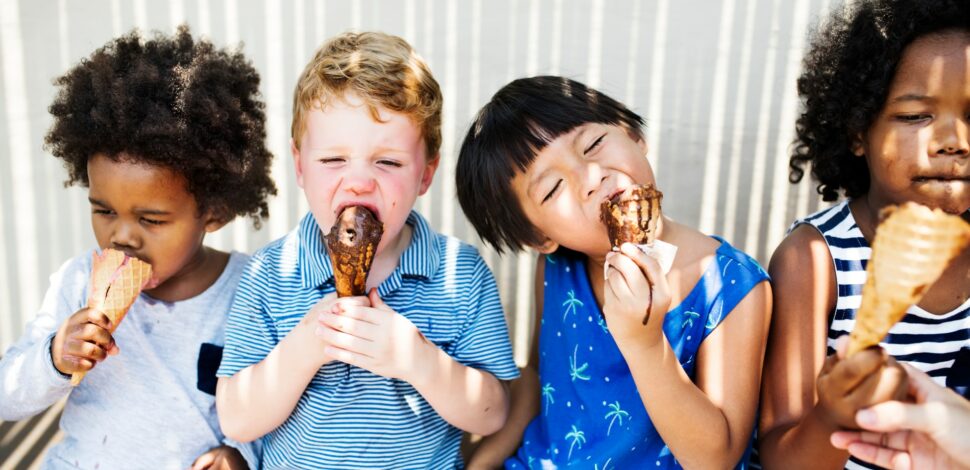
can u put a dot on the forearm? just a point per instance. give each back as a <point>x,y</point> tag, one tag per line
<point>29,382</point>
<point>257,399</point>
<point>494,449</point>
<point>471,400</point>
<point>696,431</point>
<point>804,445</point>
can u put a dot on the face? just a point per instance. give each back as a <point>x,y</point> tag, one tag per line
<point>347,158</point>
<point>917,148</point>
<point>147,212</point>
<point>562,190</point>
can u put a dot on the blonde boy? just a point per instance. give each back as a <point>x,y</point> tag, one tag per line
<point>391,379</point>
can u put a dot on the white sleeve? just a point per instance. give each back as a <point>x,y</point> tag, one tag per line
<point>29,382</point>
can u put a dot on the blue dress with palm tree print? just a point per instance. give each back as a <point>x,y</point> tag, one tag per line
<point>591,415</point>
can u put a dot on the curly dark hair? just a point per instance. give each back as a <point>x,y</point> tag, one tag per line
<point>174,102</point>
<point>845,83</point>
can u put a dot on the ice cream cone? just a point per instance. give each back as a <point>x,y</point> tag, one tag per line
<point>351,244</point>
<point>632,215</point>
<point>116,281</point>
<point>912,247</point>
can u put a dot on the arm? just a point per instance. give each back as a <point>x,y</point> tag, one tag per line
<point>257,399</point>
<point>807,396</point>
<point>494,449</point>
<point>29,381</point>
<point>387,343</point>
<point>707,424</point>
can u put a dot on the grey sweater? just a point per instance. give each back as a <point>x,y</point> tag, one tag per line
<point>152,405</point>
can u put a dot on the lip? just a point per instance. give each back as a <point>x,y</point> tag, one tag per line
<point>941,179</point>
<point>615,192</point>
<point>369,206</point>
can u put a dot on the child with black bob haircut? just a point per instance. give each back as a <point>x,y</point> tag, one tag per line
<point>616,391</point>
<point>167,134</point>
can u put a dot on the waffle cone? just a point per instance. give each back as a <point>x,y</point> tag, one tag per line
<point>116,281</point>
<point>912,247</point>
<point>632,216</point>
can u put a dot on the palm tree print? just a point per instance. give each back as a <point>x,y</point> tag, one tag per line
<point>576,437</point>
<point>577,372</point>
<point>689,317</point>
<point>606,465</point>
<point>616,413</point>
<point>571,303</point>
<point>547,391</point>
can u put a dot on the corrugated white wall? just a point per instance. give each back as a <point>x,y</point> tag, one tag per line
<point>715,80</point>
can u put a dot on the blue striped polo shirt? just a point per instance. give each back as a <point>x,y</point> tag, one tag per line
<point>349,417</point>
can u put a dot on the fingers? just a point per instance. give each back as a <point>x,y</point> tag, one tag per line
<point>204,461</point>
<point>842,346</point>
<point>97,318</point>
<point>881,456</point>
<point>647,264</point>
<point>344,341</point>
<point>348,324</point>
<point>879,386</point>
<point>376,301</point>
<point>894,415</point>
<point>850,373</point>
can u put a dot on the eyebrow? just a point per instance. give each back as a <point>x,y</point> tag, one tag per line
<point>912,97</point>
<point>137,210</point>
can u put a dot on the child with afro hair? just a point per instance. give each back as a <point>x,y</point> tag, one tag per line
<point>167,133</point>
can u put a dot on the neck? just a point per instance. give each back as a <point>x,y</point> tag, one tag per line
<point>194,278</point>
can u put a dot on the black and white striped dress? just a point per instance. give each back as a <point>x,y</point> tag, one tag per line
<point>938,344</point>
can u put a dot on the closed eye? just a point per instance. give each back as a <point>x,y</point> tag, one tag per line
<point>391,163</point>
<point>331,160</point>
<point>552,192</point>
<point>912,117</point>
<point>152,221</point>
<point>101,211</point>
<point>596,143</point>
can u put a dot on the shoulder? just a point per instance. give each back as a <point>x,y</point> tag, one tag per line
<point>803,274</point>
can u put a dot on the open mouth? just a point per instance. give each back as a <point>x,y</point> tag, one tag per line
<point>365,205</point>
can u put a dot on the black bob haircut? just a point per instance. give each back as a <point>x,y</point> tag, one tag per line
<point>510,130</point>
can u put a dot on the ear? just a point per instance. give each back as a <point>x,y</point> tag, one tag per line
<point>297,164</point>
<point>858,146</point>
<point>427,174</point>
<point>547,247</point>
<point>213,221</point>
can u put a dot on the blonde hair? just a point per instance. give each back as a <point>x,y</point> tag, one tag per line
<point>381,69</point>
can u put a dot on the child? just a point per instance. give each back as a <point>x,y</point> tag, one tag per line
<point>615,392</point>
<point>391,379</point>
<point>167,134</point>
<point>887,97</point>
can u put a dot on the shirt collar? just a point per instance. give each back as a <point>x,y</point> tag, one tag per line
<point>420,259</point>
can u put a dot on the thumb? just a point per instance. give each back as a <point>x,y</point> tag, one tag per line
<point>842,346</point>
<point>204,461</point>
<point>376,301</point>
<point>893,416</point>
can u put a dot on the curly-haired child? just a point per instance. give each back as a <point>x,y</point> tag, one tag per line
<point>886,121</point>
<point>167,134</point>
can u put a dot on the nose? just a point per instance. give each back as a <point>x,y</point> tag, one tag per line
<point>594,177</point>
<point>359,181</point>
<point>125,237</point>
<point>952,138</point>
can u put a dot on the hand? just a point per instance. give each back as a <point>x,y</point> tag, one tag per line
<point>636,296</point>
<point>846,385</point>
<point>82,342</point>
<point>308,328</point>
<point>376,338</point>
<point>220,458</point>
<point>930,434</point>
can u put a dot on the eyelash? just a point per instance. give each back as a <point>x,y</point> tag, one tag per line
<point>912,118</point>
<point>390,163</point>
<point>554,189</point>
<point>106,212</point>
<point>596,143</point>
